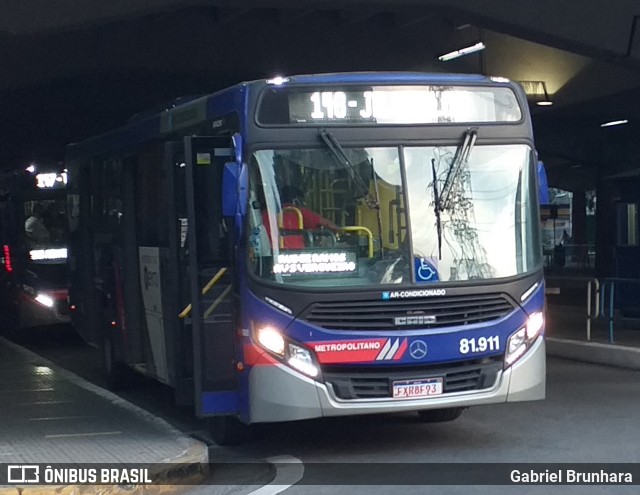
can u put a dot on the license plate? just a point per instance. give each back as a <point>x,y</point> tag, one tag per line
<point>414,389</point>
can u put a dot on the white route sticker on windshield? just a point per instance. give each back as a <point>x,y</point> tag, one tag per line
<point>317,262</point>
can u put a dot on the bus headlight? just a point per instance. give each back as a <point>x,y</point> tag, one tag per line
<point>45,300</point>
<point>521,340</point>
<point>516,346</point>
<point>294,355</point>
<point>534,325</point>
<point>302,360</point>
<point>271,339</point>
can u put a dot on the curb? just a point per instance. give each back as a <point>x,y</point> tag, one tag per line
<point>595,352</point>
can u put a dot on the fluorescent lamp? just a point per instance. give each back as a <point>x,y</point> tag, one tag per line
<point>537,93</point>
<point>278,80</point>
<point>463,51</point>
<point>614,122</point>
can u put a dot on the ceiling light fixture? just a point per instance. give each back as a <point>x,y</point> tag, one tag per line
<point>463,51</point>
<point>278,80</point>
<point>537,93</point>
<point>614,122</point>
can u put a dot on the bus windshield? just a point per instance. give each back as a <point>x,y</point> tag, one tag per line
<point>45,225</point>
<point>392,215</point>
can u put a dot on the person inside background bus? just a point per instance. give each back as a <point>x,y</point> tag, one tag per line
<point>34,225</point>
<point>292,200</point>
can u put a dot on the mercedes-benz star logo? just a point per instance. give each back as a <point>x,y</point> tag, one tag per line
<point>418,349</point>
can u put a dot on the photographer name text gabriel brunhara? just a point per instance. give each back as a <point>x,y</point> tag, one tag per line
<point>570,476</point>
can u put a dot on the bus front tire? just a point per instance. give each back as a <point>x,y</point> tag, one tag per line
<point>440,415</point>
<point>228,430</point>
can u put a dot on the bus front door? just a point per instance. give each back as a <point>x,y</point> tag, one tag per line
<point>210,278</point>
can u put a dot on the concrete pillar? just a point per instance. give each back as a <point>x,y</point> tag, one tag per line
<point>579,218</point>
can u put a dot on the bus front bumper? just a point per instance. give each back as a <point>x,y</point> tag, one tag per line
<point>278,393</point>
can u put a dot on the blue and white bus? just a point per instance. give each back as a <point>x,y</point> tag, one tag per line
<point>317,245</point>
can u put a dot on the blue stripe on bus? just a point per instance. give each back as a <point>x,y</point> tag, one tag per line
<point>220,402</point>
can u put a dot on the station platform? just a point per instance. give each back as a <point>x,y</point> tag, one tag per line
<point>50,415</point>
<point>567,335</point>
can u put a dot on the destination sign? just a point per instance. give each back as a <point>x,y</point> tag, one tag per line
<point>389,105</point>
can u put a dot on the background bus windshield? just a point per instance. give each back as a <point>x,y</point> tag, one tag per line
<point>45,223</point>
<point>391,216</point>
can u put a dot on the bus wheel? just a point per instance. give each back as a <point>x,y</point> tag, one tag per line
<point>10,320</point>
<point>115,372</point>
<point>228,430</point>
<point>440,415</point>
<point>11,314</point>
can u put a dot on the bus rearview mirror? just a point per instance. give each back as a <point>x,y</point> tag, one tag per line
<point>229,189</point>
<point>237,146</point>
<point>543,185</point>
<point>234,189</point>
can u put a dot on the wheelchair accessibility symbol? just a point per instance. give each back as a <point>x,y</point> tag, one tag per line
<point>425,271</point>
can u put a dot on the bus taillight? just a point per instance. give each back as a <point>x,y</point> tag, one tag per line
<point>7,258</point>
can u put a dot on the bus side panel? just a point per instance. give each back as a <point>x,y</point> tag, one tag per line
<point>82,264</point>
<point>176,276</point>
<point>7,250</point>
<point>128,255</point>
<point>163,266</point>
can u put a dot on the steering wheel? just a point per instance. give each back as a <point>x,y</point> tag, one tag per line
<point>324,237</point>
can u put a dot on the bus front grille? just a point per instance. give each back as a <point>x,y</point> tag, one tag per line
<point>436,312</point>
<point>350,383</point>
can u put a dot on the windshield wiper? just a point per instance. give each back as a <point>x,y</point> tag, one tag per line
<point>361,186</point>
<point>340,155</point>
<point>459,161</point>
<point>436,202</point>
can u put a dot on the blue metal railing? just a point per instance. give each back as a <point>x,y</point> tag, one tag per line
<point>601,306</point>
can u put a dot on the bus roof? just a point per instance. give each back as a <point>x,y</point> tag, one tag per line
<point>181,113</point>
<point>384,77</point>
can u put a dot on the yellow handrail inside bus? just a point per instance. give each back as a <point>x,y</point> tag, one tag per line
<point>360,228</point>
<point>214,280</point>
<point>215,303</point>
<point>296,211</point>
<point>281,220</point>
